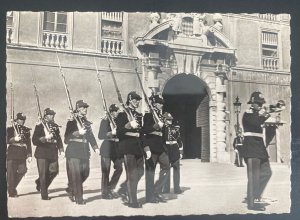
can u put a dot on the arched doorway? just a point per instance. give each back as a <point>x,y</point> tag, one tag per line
<point>187,100</point>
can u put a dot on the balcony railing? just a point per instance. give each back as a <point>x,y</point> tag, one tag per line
<point>55,40</point>
<point>112,16</point>
<point>111,46</point>
<point>270,17</point>
<point>9,34</point>
<point>270,63</point>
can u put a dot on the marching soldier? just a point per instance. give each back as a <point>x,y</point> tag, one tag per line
<point>129,125</point>
<point>237,145</point>
<point>19,149</point>
<point>174,145</point>
<point>109,152</point>
<point>78,136</point>
<point>154,139</point>
<point>47,142</point>
<point>254,151</point>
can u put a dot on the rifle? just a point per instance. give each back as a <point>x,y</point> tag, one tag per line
<point>13,110</point>
<point>126,110</point>
<point>150,107</point>
<point>40,117</point>
<point>78,120</point>
<point>108,115</point>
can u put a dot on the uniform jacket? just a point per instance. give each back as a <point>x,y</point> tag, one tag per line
<point>253,147</point>
<point>155,142</point>
<point>18,150</point>
<point>109,145</point>
<point>129,144</point>
<point>48,150</point>
<point>171,133</point>
<point>78,145</point>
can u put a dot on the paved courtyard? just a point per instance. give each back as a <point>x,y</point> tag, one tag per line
<point>209,188</point>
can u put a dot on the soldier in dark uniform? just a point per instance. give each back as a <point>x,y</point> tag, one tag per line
<point>19,149</point>
<point>237,146</point>
<point>174,146</point>
<point>108,151</point>
<point>48,142</point>
<point>254,151</point>
<point>131,146</point>
<point>154,139</point>
<point>78,136</point>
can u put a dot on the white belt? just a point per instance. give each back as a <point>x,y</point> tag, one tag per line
<point>171,142</point>
<point>113,139</point>
<point>254,134</point>
<point>19,145</point>
<point>133,134</point>
<point>239,144</point>
<point>78,140</point>
<point>158,133</point>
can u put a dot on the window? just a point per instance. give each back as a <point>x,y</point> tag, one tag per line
<point>55,21</point>
<point>9,26</point>
<point>187,26</point>
<point>55,30</point>
<point>269,50</point>
<point>112,33</point>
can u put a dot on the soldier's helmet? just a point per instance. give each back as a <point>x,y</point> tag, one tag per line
<point>113,108</point>
<point>257,98</point>
<point>168,116</point>
<point>133,95</point>
<point>49,111</point>
<point>21,116</point>
<point>156,99</point>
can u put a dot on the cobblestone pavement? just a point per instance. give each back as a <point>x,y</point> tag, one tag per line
<point>209,188</point>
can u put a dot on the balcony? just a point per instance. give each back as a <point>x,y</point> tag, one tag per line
<point>270,63</point>
<point>112,16</point>
<point>270,17</point>
<point>55,40</point>
<point>112,46</point>
<point>9,34</point>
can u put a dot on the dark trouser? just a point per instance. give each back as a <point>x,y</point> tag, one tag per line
<point>134,166</point>
<point>176,178</point>
<point>107,185</point>
<point>151,188</point>
<point>16,169</point>
<point>259,174</point>
<point>79,171</point>
<point>48,169</point>
<point>69,177</point>
<point>238,158</point>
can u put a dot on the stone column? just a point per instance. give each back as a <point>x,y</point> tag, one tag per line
<point>222,155</point>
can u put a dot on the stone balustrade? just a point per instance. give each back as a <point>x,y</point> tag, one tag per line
<point>112,16</point>
<point>55,40</point>
<point>270,63</point>
<point>111,46</point>
<point>271,17</point>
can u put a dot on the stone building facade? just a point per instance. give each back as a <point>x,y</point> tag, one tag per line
<point>198,62</point>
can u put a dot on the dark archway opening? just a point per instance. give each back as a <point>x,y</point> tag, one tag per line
<point>184,95</point>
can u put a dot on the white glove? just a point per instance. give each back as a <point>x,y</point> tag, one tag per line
<point>82,131</point>
<point>134,124</point>
<point>114,131</point>
<point>49,136</point>
<point>160,124</point>
<point>62,154</point>
<point>29,159</point>
<point>18,138</point>
<point>97,151</point>
<point>148,155</point>
<point>181,156</point>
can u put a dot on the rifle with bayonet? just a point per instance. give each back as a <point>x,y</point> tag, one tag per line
<point>126,110</point>
<point>150,107</point>
<point>38,106</point>
<point>108,115</point>
<point>79,122</point>
<point>12,113</point>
